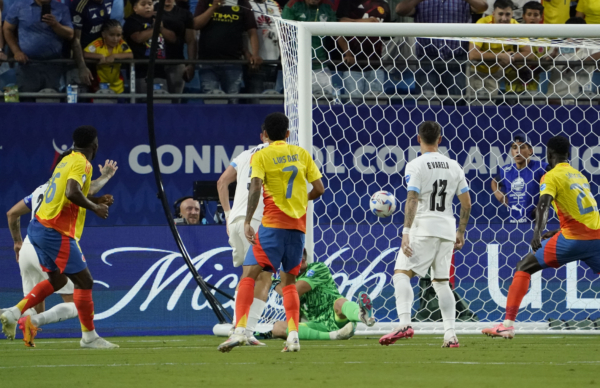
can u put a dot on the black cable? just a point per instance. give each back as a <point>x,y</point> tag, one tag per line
<point>216,306</point>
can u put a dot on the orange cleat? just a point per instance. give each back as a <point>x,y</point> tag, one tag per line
<point>29,331</point>
<point>500,331</point>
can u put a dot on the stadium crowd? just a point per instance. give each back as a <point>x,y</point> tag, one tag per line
<point>106,31</point>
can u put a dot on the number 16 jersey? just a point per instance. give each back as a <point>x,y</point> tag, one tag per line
<point>437,179</point>
<point>284,170</point>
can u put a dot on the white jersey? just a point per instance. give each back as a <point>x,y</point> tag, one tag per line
<point>268,39</point>
<point>240,200</point>
<point>437,179</point>
<point>34,201</point>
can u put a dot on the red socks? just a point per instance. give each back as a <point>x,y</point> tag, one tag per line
<point>291,303</point>
<point>85,308</point>
<point>40,292</point>
<point>243,301</point>
<point>516,293</point>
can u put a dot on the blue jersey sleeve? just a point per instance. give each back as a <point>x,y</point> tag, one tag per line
<point>27,201</point>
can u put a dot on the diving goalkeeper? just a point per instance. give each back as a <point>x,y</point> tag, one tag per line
<point>330,316</point>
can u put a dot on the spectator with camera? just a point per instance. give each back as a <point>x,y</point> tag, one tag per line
<point>138,34</point>
<point>222,26</point>
<point>188,211</point>
<point>37,30</point>
<point>181,22</point>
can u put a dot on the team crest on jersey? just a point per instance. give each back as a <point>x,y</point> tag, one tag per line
<point>101,12</point>
<point>381,10</point>
<point>235,8</point>
<point>310,273</point>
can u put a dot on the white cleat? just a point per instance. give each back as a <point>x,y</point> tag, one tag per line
<point>98,343</point>
<point>252,341</point>
<point>9,324</point>
<point>233,341</point>
<point>345,332</point>
<point>291,345</point>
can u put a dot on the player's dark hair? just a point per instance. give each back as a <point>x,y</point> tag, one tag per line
<point>84,136</point>
<point>534,6</point>
<point>276,124</point>
<point>134,2</point>
<point>110,24</point>
<point>576,20</point>
<point>503,4</point>
<point>430,132</point>
<point>559,145</point>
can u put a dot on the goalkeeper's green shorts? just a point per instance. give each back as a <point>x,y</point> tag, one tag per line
<point>326,322</point>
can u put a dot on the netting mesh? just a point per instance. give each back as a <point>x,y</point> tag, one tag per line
<point>365,118</point>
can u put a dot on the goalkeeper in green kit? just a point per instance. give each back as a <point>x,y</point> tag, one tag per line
<point>327,314</point>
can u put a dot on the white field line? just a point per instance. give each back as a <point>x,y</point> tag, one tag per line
<point>568,363</point>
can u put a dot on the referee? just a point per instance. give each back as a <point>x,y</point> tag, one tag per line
<point>517,185</point>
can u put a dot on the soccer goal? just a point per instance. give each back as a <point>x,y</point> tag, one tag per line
<point>361,124</point>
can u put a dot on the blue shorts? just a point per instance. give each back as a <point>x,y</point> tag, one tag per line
<point>54,250</point>
<point>277,248</point>
<point>558,251</point>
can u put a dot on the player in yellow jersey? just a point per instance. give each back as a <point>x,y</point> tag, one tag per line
<point>283,170</point>
<point>577,239</point>
<point>55,232</point>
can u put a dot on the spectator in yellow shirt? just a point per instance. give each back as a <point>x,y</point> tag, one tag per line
<point>106,49</point>
<point>589,10</point>
<point>556,11</point>
<point>499,57</point>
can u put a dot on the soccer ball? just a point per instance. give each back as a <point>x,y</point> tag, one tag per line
<point>383,204</point>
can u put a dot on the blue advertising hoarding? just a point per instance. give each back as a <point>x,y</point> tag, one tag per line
<point>143,286</point>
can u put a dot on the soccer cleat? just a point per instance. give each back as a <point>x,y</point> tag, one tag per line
<point>366,309</point>
<point>9,324</point>
<point>402,332</point>
<point>345,332</point>
<point>252,341</point>
<point>451,343</point>
<point>500,331</point>
<point>233,341</point>
<point>98,343</point>
<point>29,331</point>
<point>292,345</point>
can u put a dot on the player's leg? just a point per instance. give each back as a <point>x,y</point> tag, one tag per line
<point>290,268</point>
<point>265,255</point>
<point>441,275</point>
<point>261,294</point>
<point>314,331</point>
<point>356,312</point>
<point>424,250</point>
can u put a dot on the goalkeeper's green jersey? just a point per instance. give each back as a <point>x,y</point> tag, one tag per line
<point>318,302</point>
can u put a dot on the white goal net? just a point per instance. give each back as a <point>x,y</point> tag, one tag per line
<point>361,122</point>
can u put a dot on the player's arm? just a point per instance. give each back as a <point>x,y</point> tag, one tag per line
<point>410,211</point>
<point>14,224</point>
<point>107,172</point>
<point>253,199</point>
<point>541,219</point>
<point>317,190</point>
<point>500,196</point>
<point>75,195</point>
<point>227,178</point>
<point>465,214</point>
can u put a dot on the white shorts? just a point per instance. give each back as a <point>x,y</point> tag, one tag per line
<point>428,252</point>
<point>238,241</point>
<point>32,273</point>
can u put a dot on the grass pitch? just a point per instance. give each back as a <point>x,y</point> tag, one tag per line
<point>193,361</point>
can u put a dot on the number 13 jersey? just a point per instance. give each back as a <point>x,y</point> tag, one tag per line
<point>437,179</point>
<point>284,170</point>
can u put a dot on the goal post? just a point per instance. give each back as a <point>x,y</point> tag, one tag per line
<point>362,142</point>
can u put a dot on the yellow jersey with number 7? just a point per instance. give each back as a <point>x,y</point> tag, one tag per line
<point>573,201</point>
<point>284,170</point>
<point>56,211</point>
